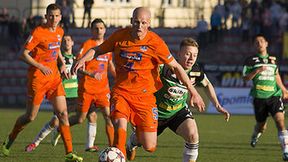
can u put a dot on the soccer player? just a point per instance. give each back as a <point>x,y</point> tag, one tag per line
<point>95,90</point>
<point>44,79</point>
<point>174,113</point>
<point>267,92</point>
<point>70,87</point>
<point>137,55</point>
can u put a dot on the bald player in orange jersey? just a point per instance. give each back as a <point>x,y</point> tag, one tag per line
<point>44,79</point>
<point>95,90</point>
<point>137,55</point>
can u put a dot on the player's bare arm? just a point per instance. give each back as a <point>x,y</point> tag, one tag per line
<point>25,56</point>
<point>111,68</point>
<point>251,75</point>
<point>210,91</point>
<point>89,55</point>
<point>181,74</point>
<point>63,66</point>
<point>281,86</point>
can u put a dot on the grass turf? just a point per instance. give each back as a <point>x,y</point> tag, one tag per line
<point>219,141</point>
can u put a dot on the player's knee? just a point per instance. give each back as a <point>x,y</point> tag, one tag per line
<point>193,138</point>
<point>150,149</point>
<point>81,120</point>
<point>29,118</point>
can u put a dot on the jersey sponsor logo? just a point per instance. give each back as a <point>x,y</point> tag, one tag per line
<point>171,107</point>
<point>176,91</point>
<point>131,55</point>
<point>102,58</point>
<point>70,85</point>
<point>256,59</point>
<point>194,73</point>
<point>265,88</point>
<point>54,45</point>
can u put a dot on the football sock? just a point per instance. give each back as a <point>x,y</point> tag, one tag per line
<point>91,134</point>
<point>110,134</point>
<point>120,140</point>
<point>43,133</point>
<point>190,152</point>
<point>133,139</point>
<point>283,138</point>
<point>66,137</point>
<point>256,134</point>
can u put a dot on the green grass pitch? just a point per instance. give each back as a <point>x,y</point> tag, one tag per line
<point>219,141</point>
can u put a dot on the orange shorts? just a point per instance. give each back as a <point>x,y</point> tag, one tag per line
<point>39,88</point>
<point>86,99</point>
<point>140,110</point>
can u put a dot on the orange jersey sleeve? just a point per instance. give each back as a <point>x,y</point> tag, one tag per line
<point>137,60</point>
<point>90,43</point>
<point>45,47</point>
<point>97,66</point>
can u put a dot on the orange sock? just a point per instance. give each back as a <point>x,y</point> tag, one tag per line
<point>120,140</point>
<point>66,137</point>
<point>110,134</point>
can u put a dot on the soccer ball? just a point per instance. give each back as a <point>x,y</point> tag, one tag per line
<point>111,154</point>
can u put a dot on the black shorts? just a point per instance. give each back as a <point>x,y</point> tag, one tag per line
<point>174,121</point>
<point>72,104</point>
<point>262,107</point>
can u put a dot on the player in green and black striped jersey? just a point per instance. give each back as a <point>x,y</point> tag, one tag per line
<point>267,92</point>
<point>173,109</point>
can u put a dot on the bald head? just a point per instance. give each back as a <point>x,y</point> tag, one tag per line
<point>140,22</point>
<point>141,11</point>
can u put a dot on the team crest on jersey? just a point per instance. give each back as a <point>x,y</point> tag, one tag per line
<point>59,37</point>
<point>143,48</point>
<point>265,60</point>
<point>70,60</point>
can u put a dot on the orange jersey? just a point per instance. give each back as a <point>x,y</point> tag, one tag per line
<point>137,61</point>
<point>98,65</point>
<point>45,47</point>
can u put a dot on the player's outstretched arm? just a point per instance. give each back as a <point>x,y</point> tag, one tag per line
<point>210,91</point>
<point>25,56</point>
<point>81,62</point>
<point>63,66</point>
<point>89,55</point>
<point>181,74</point>
<point>111,67</point>
<point>281,86</point>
